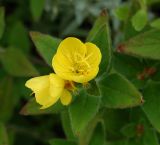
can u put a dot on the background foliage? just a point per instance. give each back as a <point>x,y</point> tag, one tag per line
<point>120,107</point>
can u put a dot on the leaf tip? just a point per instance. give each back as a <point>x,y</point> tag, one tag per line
<point>103,12</point>
<point>142,100</point>
<point>121,48</point>
<point>140,130</point>
<point>23,111</point>
<point>33,34</point>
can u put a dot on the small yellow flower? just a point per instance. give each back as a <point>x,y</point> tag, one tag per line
<point>49,89</point>
<point>76,61</point>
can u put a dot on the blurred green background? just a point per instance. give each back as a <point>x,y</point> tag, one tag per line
<point>19,59</point>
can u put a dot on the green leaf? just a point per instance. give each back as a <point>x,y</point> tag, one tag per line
<point>98,137</point>
<point>129,30</point>
<point>122,12</point>
<point>130,67</point>
<point>7,98</point>
<point>2,21</point>
<point>151,106</point>
<point>82,110</point>
<point>66,123</point>
<point>129,130</point>
<point>36,8</point>
<point>150,137</point>
<point>139,20</point>
<point>21,43</point>
<point>156,23</point>
<point>118,92</point>
<point>93,88</point>
<point>127,65</point>
<point>121,142</point>
<point>112,126</point>
<point>3,135</point>
<point>156,76</point>
<point>137,141</point>
<point>151,2</point>
<point>33,108</point>
<point>144,45</point>
<point>46,45</point>
<point>61,142</point>
<point>17,64</point>
<point>100,35</point>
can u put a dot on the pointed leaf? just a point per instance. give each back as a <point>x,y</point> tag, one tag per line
<point>118,92</point>
<point>46,45</point>
<point>144,45</point>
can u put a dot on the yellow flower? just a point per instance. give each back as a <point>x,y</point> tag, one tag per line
<point>76,61</point>
<point>49,89</point>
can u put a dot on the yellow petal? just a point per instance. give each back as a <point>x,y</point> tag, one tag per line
<point>55,90</point>
<point>40,86</point>
<point>47,89</point>
<point>49,104</point>
<point>56,85</point>
<point>62,66</point>
<point>66,97</point>
<point>93,54</point>
<point>38,83</point>
<point>43,96</point>
<point>70,45</point>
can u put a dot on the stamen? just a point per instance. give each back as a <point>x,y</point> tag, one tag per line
<point>69,85</point>
<point>81,65</point>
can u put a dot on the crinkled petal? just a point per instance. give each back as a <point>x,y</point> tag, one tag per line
<point>66,97</point>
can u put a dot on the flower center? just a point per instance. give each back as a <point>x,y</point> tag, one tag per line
<point>80,64</point>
